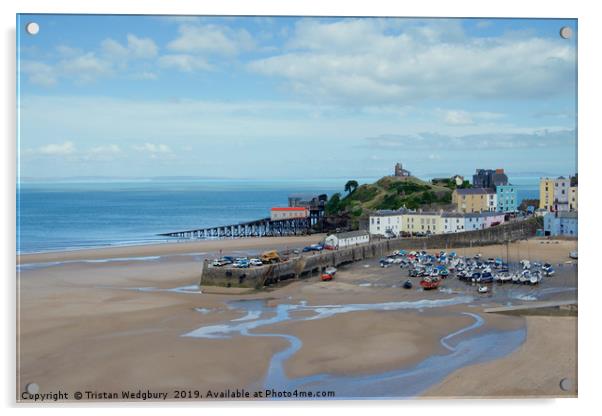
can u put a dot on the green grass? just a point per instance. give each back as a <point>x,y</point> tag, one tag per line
<point>390,192</point>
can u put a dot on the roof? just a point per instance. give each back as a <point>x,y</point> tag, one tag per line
<point>424,213</point>
<point>452,215</point>
<point>475,191</point>
<point>387,212</point>
<point>289,209</point>
<point>350,234</point>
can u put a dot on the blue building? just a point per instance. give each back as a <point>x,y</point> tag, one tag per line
<point>507,198</point>
<point>560,223</point>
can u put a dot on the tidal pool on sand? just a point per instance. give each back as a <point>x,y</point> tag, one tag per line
<point>405,382</point>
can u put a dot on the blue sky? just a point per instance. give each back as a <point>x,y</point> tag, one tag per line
<point>275,97</point>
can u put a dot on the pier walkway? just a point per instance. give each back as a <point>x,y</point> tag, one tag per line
<point>264,227</point>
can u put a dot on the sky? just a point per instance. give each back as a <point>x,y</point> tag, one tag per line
<point>294,97</point>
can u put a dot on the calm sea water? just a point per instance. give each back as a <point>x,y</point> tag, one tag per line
<point>72,215</point>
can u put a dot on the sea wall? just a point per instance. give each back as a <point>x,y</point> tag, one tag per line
<point>315,263</point>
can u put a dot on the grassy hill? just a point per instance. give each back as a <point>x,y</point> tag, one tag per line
<point>390,192</point>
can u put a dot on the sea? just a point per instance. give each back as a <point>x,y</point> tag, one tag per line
<point>71,215</point>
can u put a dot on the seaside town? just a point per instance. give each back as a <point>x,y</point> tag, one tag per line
<point>295,208</point>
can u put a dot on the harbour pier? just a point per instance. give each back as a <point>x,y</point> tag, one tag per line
<point>264,227</point>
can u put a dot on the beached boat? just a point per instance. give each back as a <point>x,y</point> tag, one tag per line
<point>548,270</point>
<point>407,284</point>
<point>573,255</point>
<point>483,289</point>
<point>330,270</point>
<point>429,283</point>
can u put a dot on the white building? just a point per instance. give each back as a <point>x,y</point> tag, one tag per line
<point>452,222</point>
<point>349,239</point>
<point>492,202</point>
<point>385,223</point>
<point>562,187</point>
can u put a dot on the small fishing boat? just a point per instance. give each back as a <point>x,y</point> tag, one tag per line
<point>483,289</point>
<point>548,270</point>
<point>515,278</point>
<point>429,283</point>
<point>486,277</point>
<point>330,270</point>
<point>573,255</point>
<point>326,277</point>
<point>407,284</point>
<point>504,277</point>
<point>524,277</point>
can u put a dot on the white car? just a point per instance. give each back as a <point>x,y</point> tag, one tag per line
<point>256,262</point>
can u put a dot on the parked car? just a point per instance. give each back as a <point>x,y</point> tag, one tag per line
<point>313,247</point>
<point>256,262</point>
<point>241,263</point>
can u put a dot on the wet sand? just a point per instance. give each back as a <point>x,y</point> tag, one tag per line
<point>174,248</point>
<point>104,326</point>
<point>535,370</point>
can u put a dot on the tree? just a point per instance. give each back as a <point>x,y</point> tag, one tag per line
<point>351,186</point>
<point>333,204</point>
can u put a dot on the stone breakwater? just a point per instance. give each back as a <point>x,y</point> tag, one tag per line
<point>312,264</point>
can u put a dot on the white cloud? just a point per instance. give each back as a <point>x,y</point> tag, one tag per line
<point>61,149</point>
<point>456,117</point>
<point>214,39</point>
<point>145,75</point>
<point>152,148</point>
<point>114,49</point>
<point>86,68</point>
<point>107,149</point>
<point>535,139</point>
<point>467,118</point>
<point>184,62</point>
<point>143,48</point>
<point>39,73</point>
<point>377,61</point>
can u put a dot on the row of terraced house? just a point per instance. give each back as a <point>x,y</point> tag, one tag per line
<point>403,222</point>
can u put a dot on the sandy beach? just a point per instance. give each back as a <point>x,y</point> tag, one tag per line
<point>115,325</point>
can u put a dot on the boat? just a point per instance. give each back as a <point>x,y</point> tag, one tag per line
<point>326,277</point>
<point>573,255</point>
<point>429,283</point>
<point>330,270</point>
<point>483,289</point>
<point>486,278</point>
<point>407,284</point>
<point>504,277</point>
<point>515,278</point>
<point>548,270</point>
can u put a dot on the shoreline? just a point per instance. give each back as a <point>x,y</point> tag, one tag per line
<point>203,247</point>
<point>167,249</point>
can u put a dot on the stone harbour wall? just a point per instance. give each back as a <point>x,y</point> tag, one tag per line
<point>315,263</point>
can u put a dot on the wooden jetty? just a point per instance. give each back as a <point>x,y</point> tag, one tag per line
<point>264,227</point>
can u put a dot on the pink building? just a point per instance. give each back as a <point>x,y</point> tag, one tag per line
<point>491,219</point>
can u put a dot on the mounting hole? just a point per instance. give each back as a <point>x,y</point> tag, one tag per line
<point>32,28</point>
<point>566,384</point>
<point>566,32</point>
<point>32,388</point>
